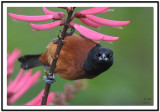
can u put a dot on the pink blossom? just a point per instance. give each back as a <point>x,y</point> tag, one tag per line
<point>46,26</point>
<point>93,35</point>
<point>49,16</point>
<point>56,15</point>
<point>11,58</point>
<point>23,81</point>
<point>37,99</point>
<point>106,21</point>
<point>88,13</point>
<point>85,16</point>
<point>95,10</point>
<point>107,11</point>
<point>89,22</point>
<point>31,18</point>
<point>20,85</point>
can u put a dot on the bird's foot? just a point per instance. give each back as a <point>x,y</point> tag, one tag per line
<point>49,78</point>
<point>70,32</point>
<point>55,40</point>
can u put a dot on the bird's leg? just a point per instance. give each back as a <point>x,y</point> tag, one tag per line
<point>67,34</point>
<point>71,31</point>
<point>57,39</point>
<point>49,78</point>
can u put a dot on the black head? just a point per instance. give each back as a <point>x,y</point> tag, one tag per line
<point>104,55</point>
<point>99,60</point>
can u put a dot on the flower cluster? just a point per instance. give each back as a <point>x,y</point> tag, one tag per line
<point>69,92</point>
<point>11,58</point>
<point>24,80</point>
<point>85,16</point>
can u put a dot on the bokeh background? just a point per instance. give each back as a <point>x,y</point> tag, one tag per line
<point>128,82</point>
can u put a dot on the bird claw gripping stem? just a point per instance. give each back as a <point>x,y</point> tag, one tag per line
<point>49,78</point>
<point>70,32</point>
<point>55,40</point>
<point>67,34</point>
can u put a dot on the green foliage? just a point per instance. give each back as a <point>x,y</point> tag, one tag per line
<point>127,82</point>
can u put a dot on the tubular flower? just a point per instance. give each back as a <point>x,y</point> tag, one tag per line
<point>49,16</point>
<point>46,26</point>
<point>90,22</point>
<point>31,18</point>
<point>37,99</point>
<point>20,85</point>
<point>86,16</point>
<point>93,35</point>
<point>106,21</point>
<point>24,80</point>
<point>95,10</point>
<point>56,15</point>
<point>11,58</point>
<point>88,13</point>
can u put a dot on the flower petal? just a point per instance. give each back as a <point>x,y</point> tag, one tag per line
<point>37,99</point>
<point>86,33</point>
<point>109,38</point>
<point>27,85</point>
<point>56,15</point>
<point>31,18</point>
<point>93,35</point>
<point>106,21</point>
<point>105,37</point>
<point>13,57</point>
<point>95,10</point>
<point>50,98</point>
<point>46,26</point>
<point>107,11</point>
<point>22,81</point>
<point>89,22</point>
<point>16,80</point>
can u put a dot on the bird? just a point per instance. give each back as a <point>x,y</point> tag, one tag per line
<point>79,58</point>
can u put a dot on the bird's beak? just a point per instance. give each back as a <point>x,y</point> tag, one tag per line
<point>103,57</point>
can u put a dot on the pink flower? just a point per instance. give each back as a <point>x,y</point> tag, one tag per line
<point>20,85</point>
<point>46,26</point>
<point>37,99</point>
<point>56,15</point>
<point>11,58</point>
<point>88,33</point>
<point>49,16</point>
<point>31,18</point>
<point>89,22</point>
<point>24,80</point>
<point>95,10</point>
<point>86,16</point>
<point>106,21</point>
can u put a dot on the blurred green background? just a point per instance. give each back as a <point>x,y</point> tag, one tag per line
<point>128,82</point>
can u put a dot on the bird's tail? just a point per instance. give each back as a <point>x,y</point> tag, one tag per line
<point>30,61</point>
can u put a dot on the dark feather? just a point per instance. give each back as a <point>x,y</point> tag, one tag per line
<point>29,61</point>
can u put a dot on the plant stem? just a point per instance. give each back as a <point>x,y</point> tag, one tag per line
<point>55,58</point>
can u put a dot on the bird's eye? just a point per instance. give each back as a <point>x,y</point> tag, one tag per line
<point>98,54</point>
<point>110,55</point>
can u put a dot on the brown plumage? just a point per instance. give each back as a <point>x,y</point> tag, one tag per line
<point>79,58</point>
<point>73,54</point>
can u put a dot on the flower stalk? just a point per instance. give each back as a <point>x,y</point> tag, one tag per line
<point>55,58</point>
